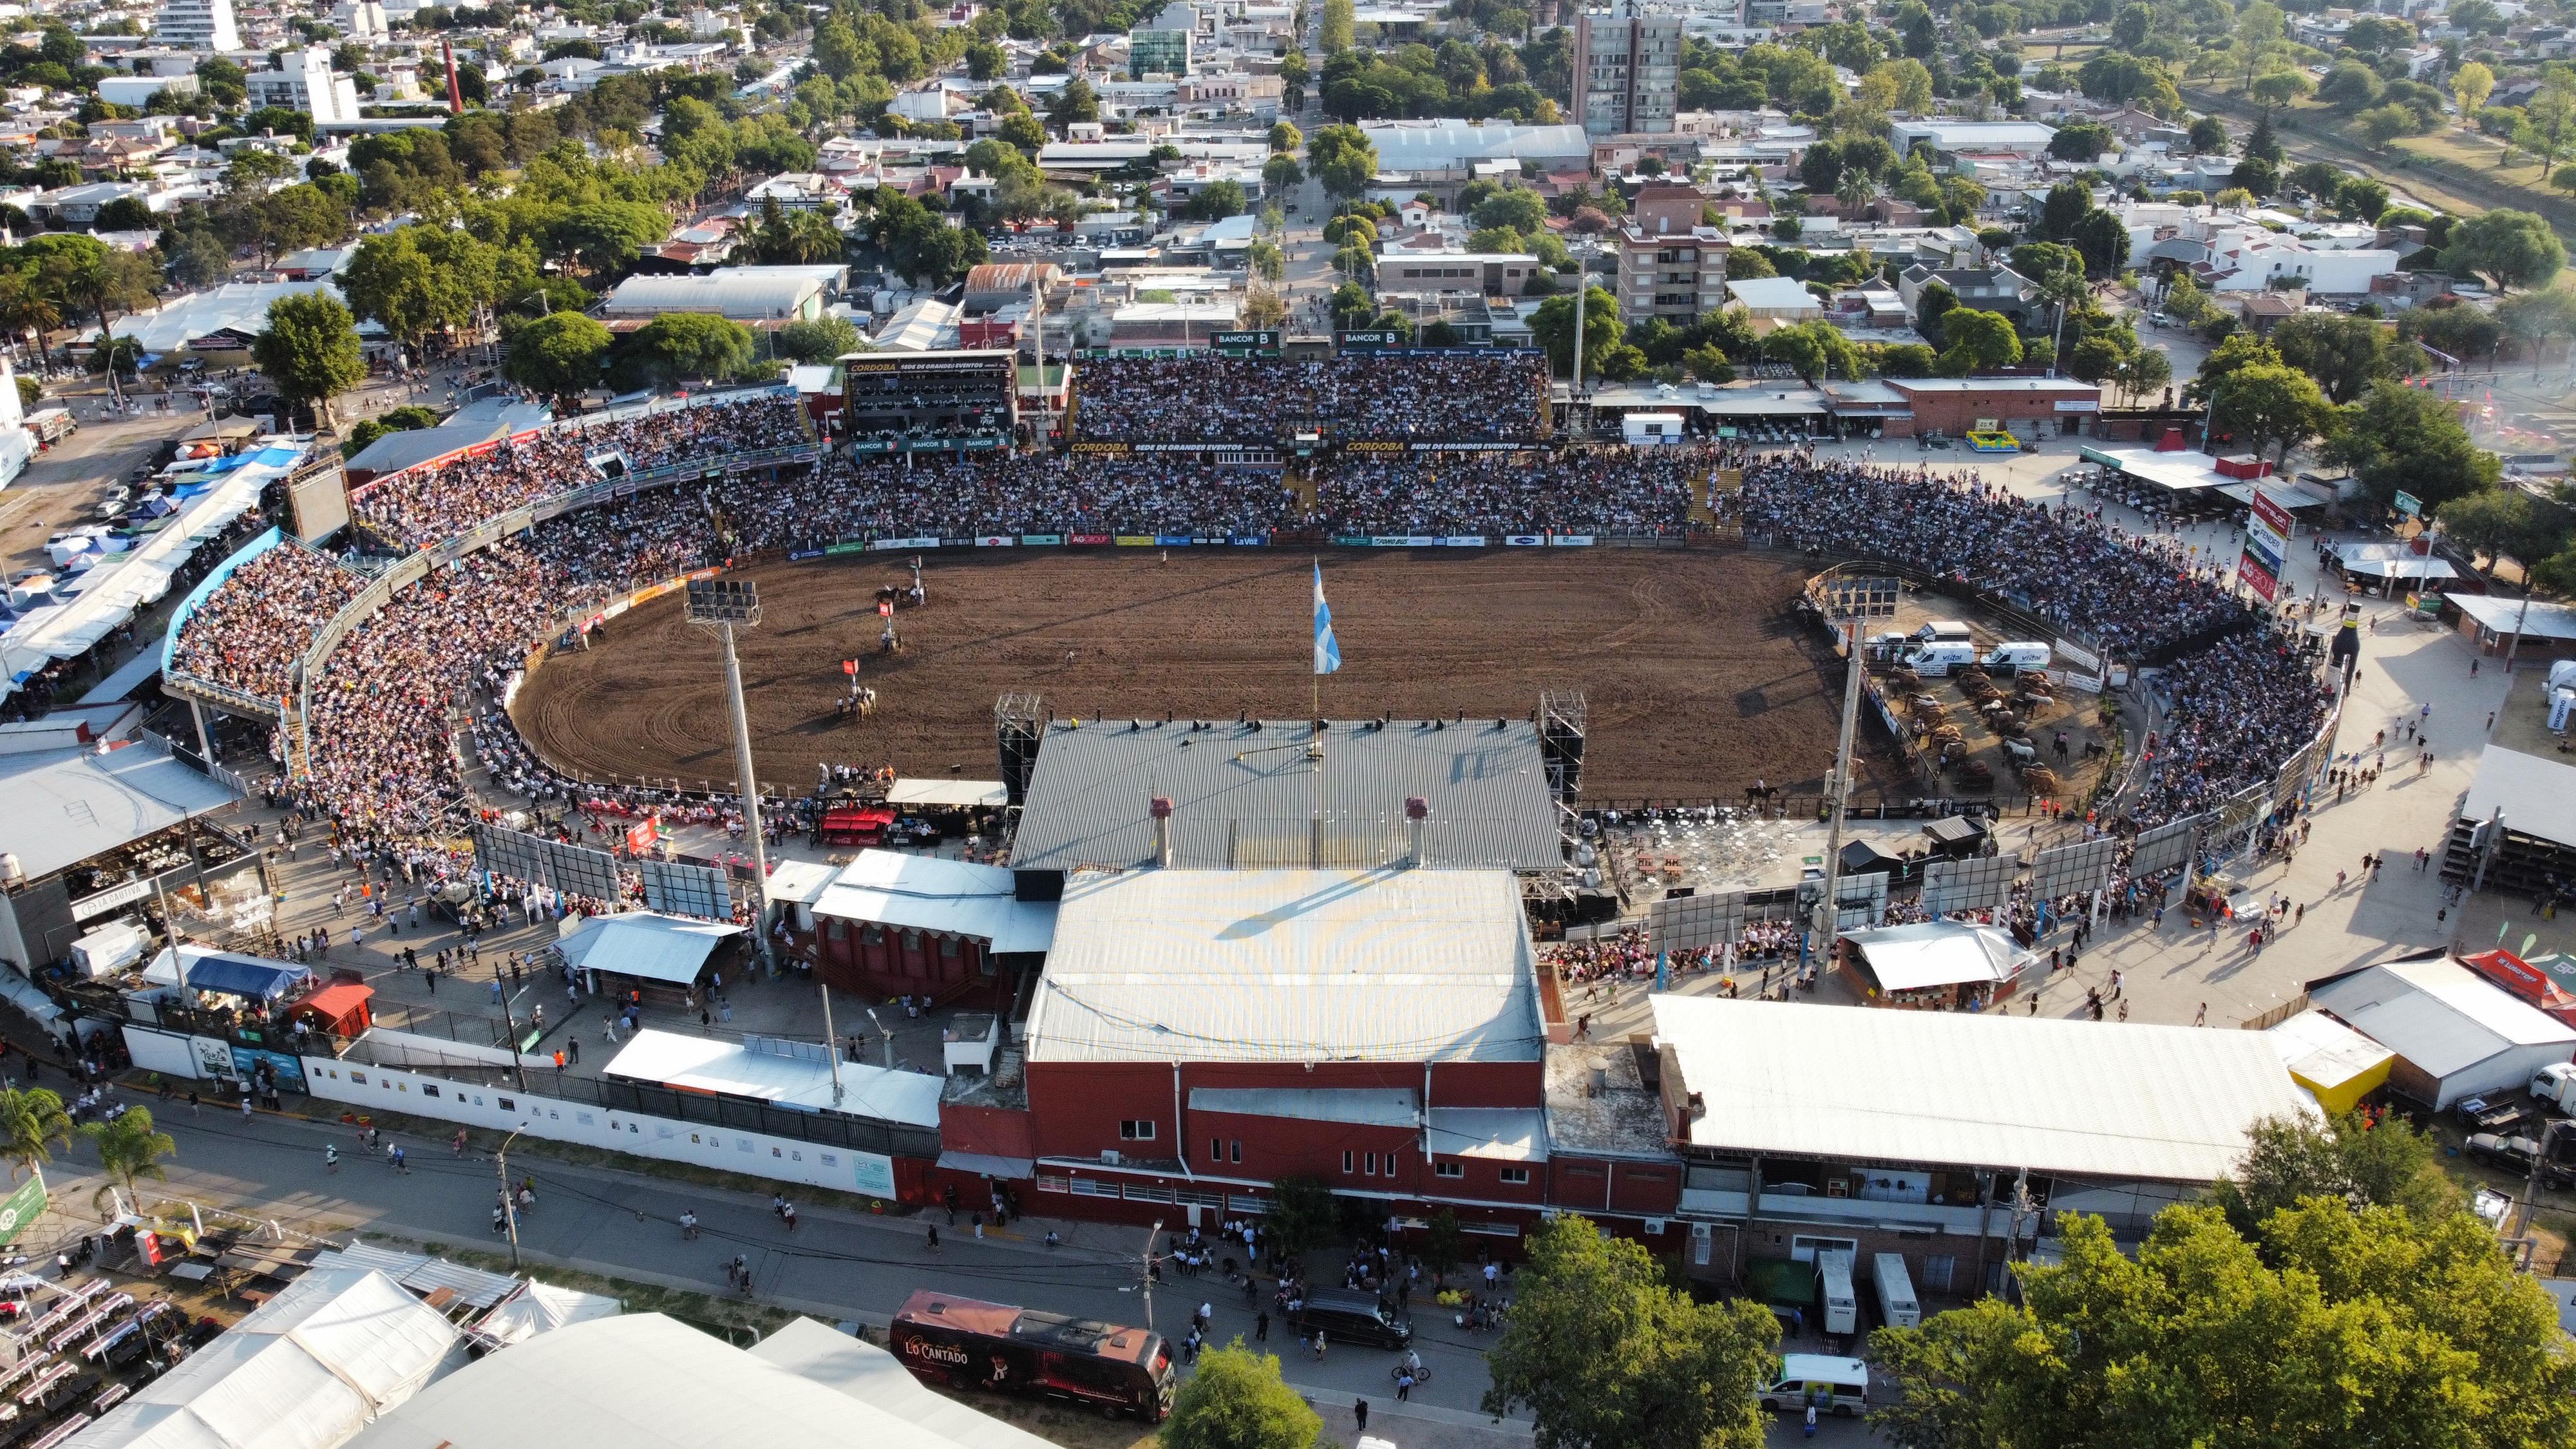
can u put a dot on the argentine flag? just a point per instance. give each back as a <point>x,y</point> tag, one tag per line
<point>1328,650</point>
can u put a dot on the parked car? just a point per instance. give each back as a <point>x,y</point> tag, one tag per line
<point>2515,1155</point>
<point>1354,1317</point>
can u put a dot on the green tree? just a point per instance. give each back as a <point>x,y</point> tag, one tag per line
<point>1334,34</point>
<point>2344,353</point>
<point>2502,523</point>
<point>419,279</point>
<point>310,350</point>
<point>1281,174</point>
<point>557,356</point>
<point>1552,327</point>
<point>2103,239</point>
<point>2279,88</point>
<point>1218,200</point>
<point>128,1147</point>
<point>2471,84</point>
<point>2509,248</point>
<point>1978,341</point>
<point>1074,104</point>
<point>2068,203</point>
<point>2381,125</point>
<point>823,339</point>
<point>605,236</point>
<point>2333,1327</point>
<point>31,1118</point>
<point>1604,1352</point>
<point>2406,439</point>
<point>2532,318</point>
<point>2350,1159</point>
<point>1303,1214</point>
<point>1342,159</point>
<point>1236,1400</point>
<point>679,347</point>
<point>1285,138</point>
<point>2320,179</point>
<point>1813,350</point>
<point>1935,302</point>
<point>2269,404</point>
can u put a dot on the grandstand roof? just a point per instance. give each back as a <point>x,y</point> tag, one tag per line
<point>1248,794</point>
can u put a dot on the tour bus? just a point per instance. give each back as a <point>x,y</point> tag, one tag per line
<point>963,1343</point>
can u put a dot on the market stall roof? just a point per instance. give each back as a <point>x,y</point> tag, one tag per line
<point>340,1000</point>
<point>733,1069</point>
<point>2290,499</point>
<point>644,944</point>
<point>68,805</point>
<point>1936,953</point>
<point>956,794</point>
<point>2338,1065</point>
<point>129,676</point>
<point>2440,1016</point>
<point>2536,793</point>
<point>252,977</point>
<point>1954,830</point>
<point>423,1274</point>
<point>308,1369</point>
<point>928,893</point>
<point>799,882</point>
<point>2179,472</point>
<point>2505,616</point>
<point>2392,561</point>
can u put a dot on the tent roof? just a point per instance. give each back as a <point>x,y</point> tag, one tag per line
<point>730,1069</point>
<point>254,977</point>
<point>1936,953</point>
<point>308,1369</point>
<point>68,805</point>
<point>2438,1015</point>
<point>955,793</point>
<point>929,893</point>
<point>645,944</point>
<point>543,1308</point>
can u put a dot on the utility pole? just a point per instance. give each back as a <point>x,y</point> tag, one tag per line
<point>2531,1184</point>
<point>509,1205</point>
<point>1828,915</point>
<point>1146,1283</point>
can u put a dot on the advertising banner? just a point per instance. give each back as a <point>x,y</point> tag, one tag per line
<point>1360,540</point>
<point>2267,541</point>
<point>957,543</point>
<point>1464,540</point>
<point>1250,540</point>
<point>1571,540</point>
<point>997,540</point>
<point>1172,540</point>
<point>1041,540</point>
<point>1102,450</point>
<point>888,545</point>
<point>1090,540</point>
<point>846,546</point>
<point>1403,540</point>
<point>801,555</point>
<point>1524,540</point>
<point>24,1206</point>
<point>1135,540</point>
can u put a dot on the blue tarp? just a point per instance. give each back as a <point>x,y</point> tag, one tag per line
<point>246,976</point>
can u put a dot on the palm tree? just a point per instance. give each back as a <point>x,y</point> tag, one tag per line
<point>810,237</point>
<point>128,1149</point>
<point>31,1117</point>
<point>24,307</point>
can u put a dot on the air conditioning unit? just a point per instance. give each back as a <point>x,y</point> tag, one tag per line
<point>1655,1227</point>
<point>1109,1157</point>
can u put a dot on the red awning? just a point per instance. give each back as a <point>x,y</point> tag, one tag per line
<point>341,1005</point>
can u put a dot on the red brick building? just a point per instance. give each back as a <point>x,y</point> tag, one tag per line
<point>895,924</point>
<point>2033,407</point>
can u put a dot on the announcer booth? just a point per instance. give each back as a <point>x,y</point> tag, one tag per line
<point>894,924</point>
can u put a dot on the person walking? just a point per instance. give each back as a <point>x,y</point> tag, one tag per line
<point>788,1214</point>
<point>331,1158</point>
<point>934,1237</point>
<point>1359,1414</point>
<point>1261,1328</point>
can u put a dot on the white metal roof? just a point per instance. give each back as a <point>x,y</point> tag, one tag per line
<point>643,1381</point>
<point>1500,1134</point>
<point>932,893</point>
<point>1288,965</point>
<point>2536,793</point>
<point>66,806</point>
<point>958,794</point>
<point>1775,294</point>
<point>306,1370</point>
<point>2156,1103</point>
<point>645,944</point>
<point>1936,953</point>
<point>2323,1050</point>
<point>2544,621</point>
<point>542,1308</point>
<point>1359,1106</point>
<point>739,292</point>
<point>2438,1015</point>
<point>701,1064</point>
<point>800,882</point>
<point>2392,561</point>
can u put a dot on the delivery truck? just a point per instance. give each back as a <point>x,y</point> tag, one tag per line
<point>1896,1305</point>
<point>1834,1291</point>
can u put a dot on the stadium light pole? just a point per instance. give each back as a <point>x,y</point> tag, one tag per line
<point>1828,912</point>
<point>720,606</point>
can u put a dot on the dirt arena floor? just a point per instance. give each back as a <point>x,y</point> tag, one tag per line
<point>1699,677</point>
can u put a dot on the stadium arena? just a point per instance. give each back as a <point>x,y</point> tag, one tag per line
<point>1156,564</point>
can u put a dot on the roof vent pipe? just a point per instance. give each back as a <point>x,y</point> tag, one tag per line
<point>1416,811</point>
<point>1160,807</point>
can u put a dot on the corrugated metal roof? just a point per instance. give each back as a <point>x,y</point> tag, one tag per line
<point>423,1274</point>
<point>1497,1134</point>
<point>723,1068</point>
<point>1244,795</point>
<point>2436,1014</point>
<point>930,893</point>
<point>735,292</point>
<point>1288,965</point>
<point>66,806</point>
<point>646,944</point>
<point>2155,1103</point>
<point>1362,1106</point>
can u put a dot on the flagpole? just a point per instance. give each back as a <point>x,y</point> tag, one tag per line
<point>1315,744</point>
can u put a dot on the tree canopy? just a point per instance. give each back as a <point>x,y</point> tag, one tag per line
<point>557,356</point>
<point>1236,1400</point>
<point>310,350</point>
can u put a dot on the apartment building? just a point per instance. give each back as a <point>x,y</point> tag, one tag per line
<point>197,25</point>
<point>1627,69</point>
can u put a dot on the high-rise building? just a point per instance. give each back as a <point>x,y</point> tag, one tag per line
<point>197,25</point>
<point>303,82</point>
<point>1670,264</point>
<point>1627,70</point>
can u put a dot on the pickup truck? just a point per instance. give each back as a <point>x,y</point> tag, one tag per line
<point>2496,1115</point>
<point>2515,1155</point>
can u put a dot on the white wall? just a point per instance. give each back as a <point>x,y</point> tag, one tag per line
<point>499,1108</point>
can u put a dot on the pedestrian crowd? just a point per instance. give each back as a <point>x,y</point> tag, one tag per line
<point>248,634</point>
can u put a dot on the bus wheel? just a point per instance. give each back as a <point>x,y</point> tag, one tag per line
<point>956,1380</point>
<point>1110,1411</point>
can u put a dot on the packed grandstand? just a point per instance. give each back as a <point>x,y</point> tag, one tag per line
<point>1486,397</point>
<point>383,701</point>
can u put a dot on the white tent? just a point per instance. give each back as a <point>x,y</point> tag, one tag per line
<point>306,1370</point>
<point>542,1308</point>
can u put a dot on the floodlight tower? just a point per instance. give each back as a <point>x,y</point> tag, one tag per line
<point>720,606</point>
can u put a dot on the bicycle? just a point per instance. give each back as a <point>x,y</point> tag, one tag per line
<point>1421,1375</point>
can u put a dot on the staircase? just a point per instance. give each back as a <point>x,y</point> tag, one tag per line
<point>1300,481</point>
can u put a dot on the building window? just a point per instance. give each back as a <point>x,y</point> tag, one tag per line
<point>1515,1177</point>
<point>1216,1149</point>
<point>1136,1129</point>
<point>1237,1154</point>
<point>1368,1164</point>
<point>1346,1164</point>
<point>1449,1169</point>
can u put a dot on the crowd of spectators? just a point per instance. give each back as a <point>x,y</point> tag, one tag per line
<point>1496,397</point>
<point>2243,699</point>
<point>1600,491</point>
<point>422,505</point>
<point>247,634</point>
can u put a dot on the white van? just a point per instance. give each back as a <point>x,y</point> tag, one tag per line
<point>1935,660</point>
<point>1834,1289</point>
<point>1943,631</point>
<point>1833,1385</point>
<point>2015,657</point>
<point>1896,1305</point>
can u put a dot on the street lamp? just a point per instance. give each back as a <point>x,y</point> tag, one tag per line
<point>720,606</point>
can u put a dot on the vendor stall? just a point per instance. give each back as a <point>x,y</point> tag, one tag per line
<point>342,1009</point>
<point>1934,965</point>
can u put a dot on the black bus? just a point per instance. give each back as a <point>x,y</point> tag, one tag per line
<point>963,1343</point>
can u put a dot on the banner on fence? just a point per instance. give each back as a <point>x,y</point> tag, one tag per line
<point>1041,540</point>
<point>1571,540</point>
<point>1524,540</point>
<point>1463,540</point>
<point>889,545</point>
<point>997,540</point>
<point>1133,540</point>
<point>1090,540</point>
